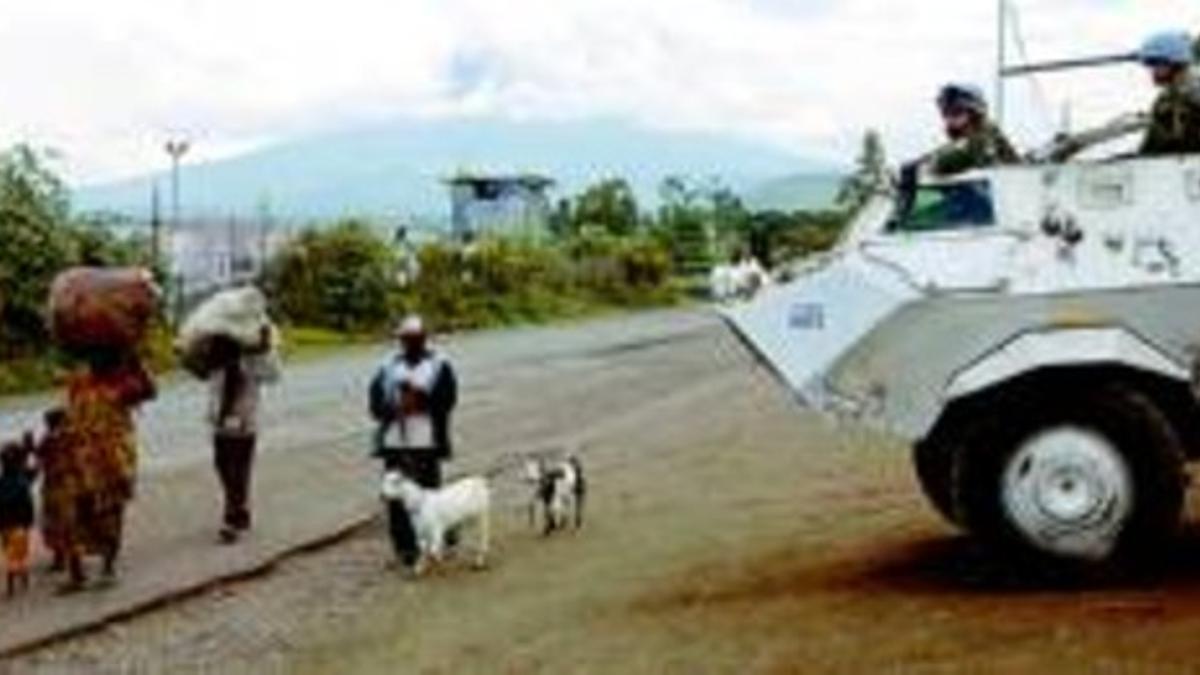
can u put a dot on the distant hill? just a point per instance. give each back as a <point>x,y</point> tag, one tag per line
<point>395,170</point>
<point>796,192</point>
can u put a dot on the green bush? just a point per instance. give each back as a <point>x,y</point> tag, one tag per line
<point>341,278</point>
<point>41,238</point>
<point>499,281</point>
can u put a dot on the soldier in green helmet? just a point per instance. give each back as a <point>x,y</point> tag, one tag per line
<point>974,141</point>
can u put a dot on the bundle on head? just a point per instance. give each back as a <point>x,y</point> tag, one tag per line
<point>229,320</point>
<point>92,308</point>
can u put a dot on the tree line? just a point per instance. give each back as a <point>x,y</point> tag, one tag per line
<point>604,249</point>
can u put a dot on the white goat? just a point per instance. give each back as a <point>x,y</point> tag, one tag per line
<point>466,501</point>
<point>559,489</point>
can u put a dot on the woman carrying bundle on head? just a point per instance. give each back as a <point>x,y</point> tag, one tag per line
<point>99,316</point>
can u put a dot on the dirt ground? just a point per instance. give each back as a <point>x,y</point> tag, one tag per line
<point>727,533</point>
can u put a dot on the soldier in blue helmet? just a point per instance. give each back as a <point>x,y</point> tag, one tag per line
<point>974,141</point>
<point>1175,117</point>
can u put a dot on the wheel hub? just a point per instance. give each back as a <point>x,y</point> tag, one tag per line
<point>1069,492</point>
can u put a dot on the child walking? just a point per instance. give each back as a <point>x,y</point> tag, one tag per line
<point>16,511</point>
<point>58,481</point>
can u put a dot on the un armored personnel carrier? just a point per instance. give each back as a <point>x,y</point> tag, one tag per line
<point>1032,330</point>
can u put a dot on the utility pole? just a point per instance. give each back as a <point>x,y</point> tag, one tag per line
<point>155,232</point>
<point>265,226</point>
<point>176,148</point>
<point>231,258</point>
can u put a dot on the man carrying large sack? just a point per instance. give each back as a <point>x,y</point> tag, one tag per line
<point>230,341</point>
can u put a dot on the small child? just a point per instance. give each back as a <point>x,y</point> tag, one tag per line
<point>16,510</point>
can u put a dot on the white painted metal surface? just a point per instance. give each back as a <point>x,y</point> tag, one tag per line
<point>897,322</point>
<point>1080,346</point>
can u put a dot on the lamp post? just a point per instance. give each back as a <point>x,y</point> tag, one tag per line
<point>176,148</point>
<point>155,233</point>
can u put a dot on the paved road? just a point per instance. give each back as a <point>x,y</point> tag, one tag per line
<point>323,401</point>
<point>314,478</point>
<point>728,533</point>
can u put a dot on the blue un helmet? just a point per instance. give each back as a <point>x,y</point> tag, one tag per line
<point>960,95</point>
<point>1173,48</point>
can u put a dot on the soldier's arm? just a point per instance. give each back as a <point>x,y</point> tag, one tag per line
<point>1005,152</point>
<point>955,158</point>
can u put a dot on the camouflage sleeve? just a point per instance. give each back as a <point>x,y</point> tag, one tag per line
<point>1174,124</point>
<point>987,148</point>
<point>956,157</point>
<point>1003,150</point>
<point>1154,142</point>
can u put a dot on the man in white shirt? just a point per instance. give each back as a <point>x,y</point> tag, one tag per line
<point>412,397</point>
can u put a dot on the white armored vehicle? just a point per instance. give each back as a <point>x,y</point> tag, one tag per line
<point>1032,330</point>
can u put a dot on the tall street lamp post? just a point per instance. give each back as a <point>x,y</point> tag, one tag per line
<point>176,148</point>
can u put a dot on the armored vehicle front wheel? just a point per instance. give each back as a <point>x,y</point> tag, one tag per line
<point>1078,475</point>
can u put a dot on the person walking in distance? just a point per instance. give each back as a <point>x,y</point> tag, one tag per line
<point>235,394</point>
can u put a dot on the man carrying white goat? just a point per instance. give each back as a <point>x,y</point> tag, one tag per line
<point>412,397</point>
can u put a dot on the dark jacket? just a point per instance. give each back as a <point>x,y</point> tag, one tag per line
<point>16,498</point>
<point>1175,120</point>
<point>442,398</point>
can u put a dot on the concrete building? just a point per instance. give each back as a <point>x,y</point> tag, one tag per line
<point>514,204</point>
<point>209,254</point>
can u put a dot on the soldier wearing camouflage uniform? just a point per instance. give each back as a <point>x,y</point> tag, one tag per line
<point>975,142</point>
<point>1175,117</point>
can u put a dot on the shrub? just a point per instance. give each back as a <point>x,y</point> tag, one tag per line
<point>340,278</point>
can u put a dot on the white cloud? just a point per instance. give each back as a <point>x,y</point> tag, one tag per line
<point>108,81</point>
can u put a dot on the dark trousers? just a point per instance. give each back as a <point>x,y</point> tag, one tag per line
<point>424,468</point>
<point>234,460</point>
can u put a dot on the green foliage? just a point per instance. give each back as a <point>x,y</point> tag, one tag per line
<point>732,223</point>
<point>40,240</point>
<point>800,234</point>
<point>37,244</point>
<point>340,278</point>
<point>610,205</point>
<point>870,174</point>
<point>27,373</point>
<point>99,245</point>
<point>701,222</point>
<point>499,281</point>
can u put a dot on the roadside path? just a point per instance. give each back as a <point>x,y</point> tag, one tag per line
<point>314,482</point>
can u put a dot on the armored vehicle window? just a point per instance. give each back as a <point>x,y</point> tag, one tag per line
<point>938,208</point>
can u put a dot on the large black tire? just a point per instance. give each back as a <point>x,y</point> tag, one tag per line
<point>1146,446</point>
<point>933,461</point>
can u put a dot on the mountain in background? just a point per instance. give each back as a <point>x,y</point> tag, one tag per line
<point>796,192</point>
<point>396,170</point>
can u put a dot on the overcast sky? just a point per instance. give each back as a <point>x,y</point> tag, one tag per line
<point>107,81</point>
